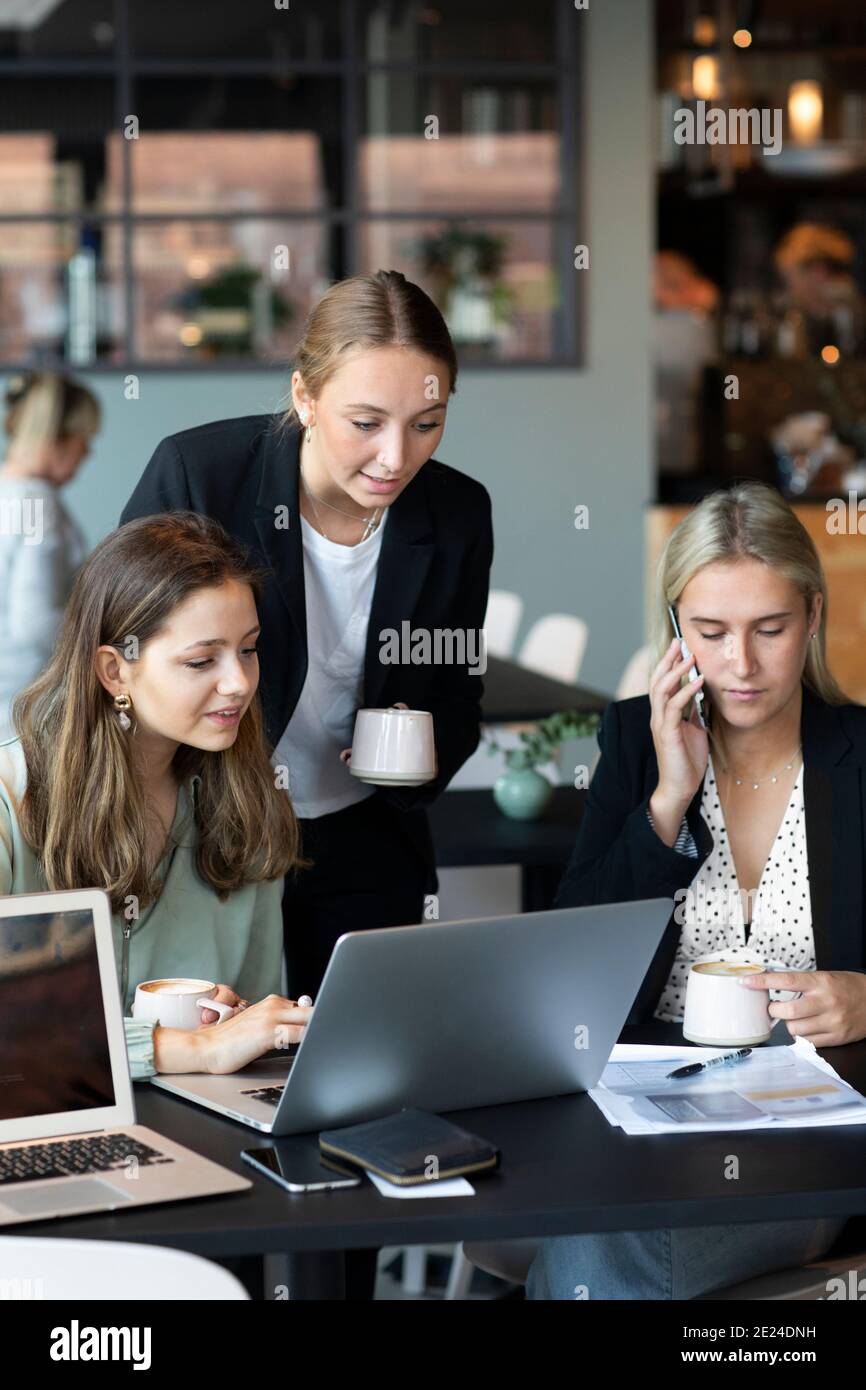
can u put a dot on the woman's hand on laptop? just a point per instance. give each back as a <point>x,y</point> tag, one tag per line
<point>274,1022</point>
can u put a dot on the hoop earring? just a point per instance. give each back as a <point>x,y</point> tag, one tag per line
<point>308,432</point>
<point>122,703</point>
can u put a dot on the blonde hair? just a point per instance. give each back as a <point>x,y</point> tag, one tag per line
<point>44,408</point>
<point>83,813</point>
<point>370,311</point>
<point>754,520</point>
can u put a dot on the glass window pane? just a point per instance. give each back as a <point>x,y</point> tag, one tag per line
<point>209,144</point>
<point>495,282</point>
<point>58,29</point>
<point>52,149</point>
<point>452,142</point>
<point>417,30</point>
<point>211,290</point>
<point>306,29</point>
<point>61,295</point>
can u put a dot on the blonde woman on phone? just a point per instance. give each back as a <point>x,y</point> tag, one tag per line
<point>762,816</point>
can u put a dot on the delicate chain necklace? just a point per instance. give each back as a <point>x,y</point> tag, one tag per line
<point>773,777</point>
<point>372,521</point>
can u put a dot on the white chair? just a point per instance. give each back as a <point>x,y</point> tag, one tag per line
<point>504,611</point>
<point>555,646</point>
<point>635,678</point>
<point>54,1268</point>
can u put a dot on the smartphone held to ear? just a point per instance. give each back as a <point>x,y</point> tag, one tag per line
<point>693,670</point>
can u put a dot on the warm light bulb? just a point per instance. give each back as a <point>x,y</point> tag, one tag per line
<point>190,335</point>
<point>705,77</point>
<point>805,112</point>
<point>830,355</point>
<point>742,38</point>
<point>704,30</point>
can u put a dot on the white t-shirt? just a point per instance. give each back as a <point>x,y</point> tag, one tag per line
<point>339,581</point>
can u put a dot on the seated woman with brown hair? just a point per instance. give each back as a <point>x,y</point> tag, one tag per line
<point>140,768</point>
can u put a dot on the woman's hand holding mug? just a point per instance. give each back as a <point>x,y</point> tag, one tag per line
<point>681,745</point>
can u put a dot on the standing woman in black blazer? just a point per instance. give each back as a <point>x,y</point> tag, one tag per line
<point>758,833</point>
<point>365,534</point>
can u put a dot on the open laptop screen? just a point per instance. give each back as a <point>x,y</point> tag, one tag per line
<point>54,1052</point>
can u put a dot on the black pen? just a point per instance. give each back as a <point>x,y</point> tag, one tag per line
<point>725,1060</point>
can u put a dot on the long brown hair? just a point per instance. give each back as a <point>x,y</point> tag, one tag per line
<point>83,813</point>
<point>371,311</point>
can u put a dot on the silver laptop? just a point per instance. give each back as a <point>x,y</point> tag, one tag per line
<point>68,1141</point>
<point>450,1015</point>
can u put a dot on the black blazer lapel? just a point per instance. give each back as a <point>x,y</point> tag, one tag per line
<point>278,526</point>
<point>407,550</point>
<point>834,837</point>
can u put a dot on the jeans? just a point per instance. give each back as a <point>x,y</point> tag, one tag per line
<point>677,1263</point>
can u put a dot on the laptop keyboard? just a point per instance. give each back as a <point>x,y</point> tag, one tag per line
<point>269,1094</point>
<point>73,1157</point>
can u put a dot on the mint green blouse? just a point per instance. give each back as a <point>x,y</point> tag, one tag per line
<point>186,932</point>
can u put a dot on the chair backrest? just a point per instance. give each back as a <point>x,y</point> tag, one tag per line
<point>635,678</point>
<point>555,646</point>
<point>54,1268</point>
<point>504,611</point>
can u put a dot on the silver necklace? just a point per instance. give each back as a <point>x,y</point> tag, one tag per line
<point>774,777</point>
<point>372,521</point>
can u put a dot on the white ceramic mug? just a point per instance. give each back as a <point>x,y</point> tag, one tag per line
<point>393,747</point>
<point>719,1011</point>
<point>177,1003</point>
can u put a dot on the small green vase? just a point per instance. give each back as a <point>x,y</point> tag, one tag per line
<point>522,793</point>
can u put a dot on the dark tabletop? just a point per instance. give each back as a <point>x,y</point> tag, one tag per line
<point>564,1169</point>
<point>469,828</point>
<point>513,693</point>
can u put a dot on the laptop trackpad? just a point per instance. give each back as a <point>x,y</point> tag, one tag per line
<point>64,1197</point>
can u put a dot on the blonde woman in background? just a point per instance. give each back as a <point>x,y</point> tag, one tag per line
<point>762,818</point>
<point>50,420</point>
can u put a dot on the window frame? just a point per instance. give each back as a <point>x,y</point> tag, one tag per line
<point>564,217</point>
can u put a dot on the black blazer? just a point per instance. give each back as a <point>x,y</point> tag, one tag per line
<point>618,856</point>
<point>433,571</point>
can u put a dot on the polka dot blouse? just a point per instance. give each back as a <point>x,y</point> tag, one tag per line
<point>712,911</point>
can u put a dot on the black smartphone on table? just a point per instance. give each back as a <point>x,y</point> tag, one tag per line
<point>298,1166</point>
<point>693,671</point>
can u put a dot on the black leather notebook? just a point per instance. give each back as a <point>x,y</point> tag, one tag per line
<point>411,1146</point>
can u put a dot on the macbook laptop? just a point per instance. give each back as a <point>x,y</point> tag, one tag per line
<point>450,1015</point>
<point>68,1141</point>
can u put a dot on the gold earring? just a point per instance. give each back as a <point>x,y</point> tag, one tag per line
<point>308,433</point>
<point>122,703</point>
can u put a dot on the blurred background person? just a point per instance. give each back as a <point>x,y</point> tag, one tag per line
<point>50,421</point>
<point>823,303</point>
<point>685,342</point>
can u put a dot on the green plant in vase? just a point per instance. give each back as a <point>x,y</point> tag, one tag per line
<point>464,269</point>
<point>522,792</point>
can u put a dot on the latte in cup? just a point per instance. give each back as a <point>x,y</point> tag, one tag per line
<point>177,986</point>
<point>719,1012</point>
<point>727,967</point>
<point>177,1003</point>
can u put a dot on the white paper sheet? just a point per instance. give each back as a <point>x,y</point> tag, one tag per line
<point>781,1080</point>
<point>442,1187</point>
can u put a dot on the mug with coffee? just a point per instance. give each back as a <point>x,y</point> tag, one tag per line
<point>393,747</point>
<point>177,1003</point>
<point>719,1012</point>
